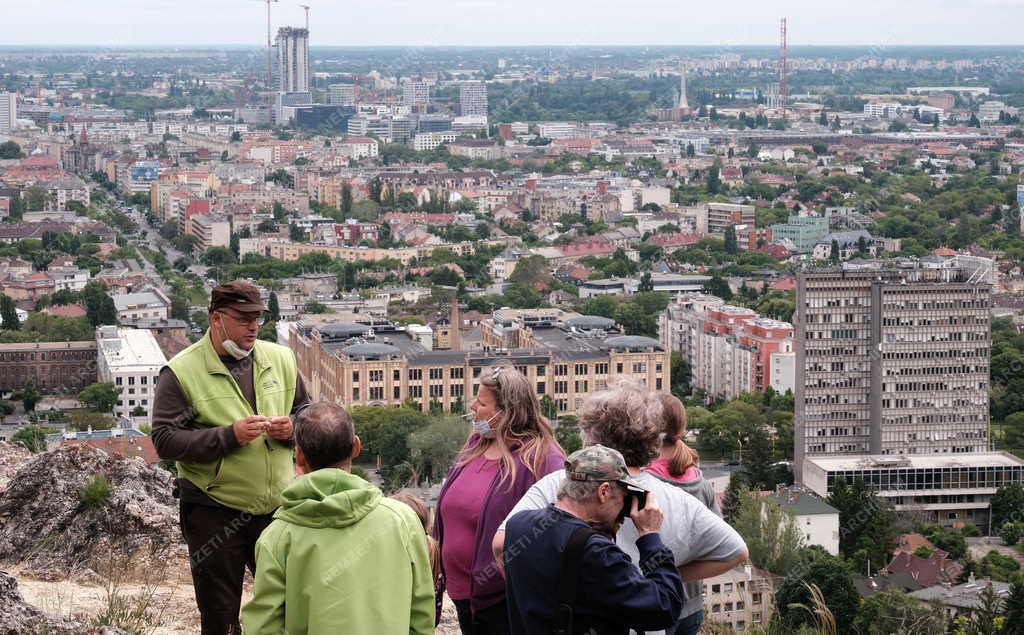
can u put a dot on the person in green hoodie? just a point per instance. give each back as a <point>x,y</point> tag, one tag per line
<point>339,557</point>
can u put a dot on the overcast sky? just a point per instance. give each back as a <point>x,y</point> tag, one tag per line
<point>515,22</point>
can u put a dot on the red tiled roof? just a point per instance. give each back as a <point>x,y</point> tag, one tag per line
<point>66,310</point>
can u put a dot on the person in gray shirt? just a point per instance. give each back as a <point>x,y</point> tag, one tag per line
<point>628,418</point>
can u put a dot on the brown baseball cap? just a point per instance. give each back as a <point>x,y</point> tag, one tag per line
<point>238,295</point>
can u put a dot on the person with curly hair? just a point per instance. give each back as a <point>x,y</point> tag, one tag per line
<point>629,418</point>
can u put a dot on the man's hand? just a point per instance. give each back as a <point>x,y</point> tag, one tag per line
<point>647,520</point>
<point>280,428</point>
<point>249,428</point>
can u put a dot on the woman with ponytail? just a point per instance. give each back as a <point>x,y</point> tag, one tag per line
<point>677,465</point>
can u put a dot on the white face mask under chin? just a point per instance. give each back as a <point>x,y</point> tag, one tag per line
<point>483,426</point>
<point>232,348</point>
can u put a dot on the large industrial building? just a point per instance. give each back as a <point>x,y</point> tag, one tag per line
<point>566,356</point>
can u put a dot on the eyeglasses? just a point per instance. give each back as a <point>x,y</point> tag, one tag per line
<point>259,319</point>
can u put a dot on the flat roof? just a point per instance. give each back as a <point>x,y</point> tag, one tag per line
<point>131,348</point>
<point>915,461</point>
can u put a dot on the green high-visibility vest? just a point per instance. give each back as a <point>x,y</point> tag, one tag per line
<point>252,477</point>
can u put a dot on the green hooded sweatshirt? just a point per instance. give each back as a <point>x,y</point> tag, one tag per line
<point>341,558</point>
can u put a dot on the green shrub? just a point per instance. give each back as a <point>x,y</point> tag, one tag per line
<point>95,493</point>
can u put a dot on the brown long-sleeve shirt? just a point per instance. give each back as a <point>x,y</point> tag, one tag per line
<point>176,440</point>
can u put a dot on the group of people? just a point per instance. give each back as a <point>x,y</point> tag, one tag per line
<point>615,537</point>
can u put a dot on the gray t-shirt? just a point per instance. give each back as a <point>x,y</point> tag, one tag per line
<point>690,530</point>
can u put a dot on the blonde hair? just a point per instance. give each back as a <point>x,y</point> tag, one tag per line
<point>433,548</point>
<point>520,425</point>
<point>683,457</point>
<point>627,418</point>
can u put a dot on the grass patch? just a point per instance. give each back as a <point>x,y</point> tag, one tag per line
<point>95,493</point>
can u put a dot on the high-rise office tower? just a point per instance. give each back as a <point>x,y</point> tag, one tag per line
<point>8,111</point>
<point>473,98</point>
<point>292,60</point>
<point>892,360</point>
<point>415,94</point>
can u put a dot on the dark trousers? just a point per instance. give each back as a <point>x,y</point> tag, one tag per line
<point>221,544</point>
<point>689,625</point>
<point>492,620</point>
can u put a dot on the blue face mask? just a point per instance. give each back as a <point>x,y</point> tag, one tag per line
<point>483,426</point>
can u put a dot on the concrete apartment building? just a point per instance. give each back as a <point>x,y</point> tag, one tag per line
<point>211,230</point>
<point>131,359</point>
<point>731,350</point>
<point>740,597</point>
<point>565,356</point>
<point>151,304</point>
<point>63,368</point>
<point>473,99</point>
<point>8,112</point>
<point>724,215</point>
<point>892,363</point>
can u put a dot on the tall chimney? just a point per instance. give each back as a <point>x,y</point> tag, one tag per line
<point>456,324</point>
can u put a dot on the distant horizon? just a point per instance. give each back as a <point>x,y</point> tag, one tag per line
<point>529,23</point>
<point>719,47</point>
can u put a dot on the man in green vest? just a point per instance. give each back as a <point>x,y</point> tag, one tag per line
<point>223,411</point>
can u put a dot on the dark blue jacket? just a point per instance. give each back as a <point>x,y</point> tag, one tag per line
<point>612,595</point>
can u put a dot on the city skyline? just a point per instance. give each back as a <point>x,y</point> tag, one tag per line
<point>533,23</point>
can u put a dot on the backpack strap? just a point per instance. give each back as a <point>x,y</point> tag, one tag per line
<point>569,578</point>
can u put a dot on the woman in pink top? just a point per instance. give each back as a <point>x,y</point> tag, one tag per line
<point>510,448</point>
<point>677,465</point>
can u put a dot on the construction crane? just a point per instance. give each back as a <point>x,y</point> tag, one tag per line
<point>306,9</point>
<point>270,64</point>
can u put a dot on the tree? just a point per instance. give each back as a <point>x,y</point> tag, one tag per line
<point>216,256</point>
<point>1011,533</point>
<point>823,118</point>
<point>8,314</point>
<point>86,420</point>
<point>1014,607</point>
<point>733,496</point>
<point>889,612</point>
<point>530,270</point>
<point>714,183</point>
<point>273,308</point>
<point>831,576</point>
<point>833,254</point>
<point>32,437</point>
<point>867,522</point>
<point>1007,503</point>
<point>986,619</point>
<point>646,283</point>
<point>433,448</point>
<point>635,321</point>
<point>731,246</point>
<point>680,376</point>
<point>772,534</point>
<point>346,200</point>
<point>99,306</point>
<point>30,396</point>
<point>757,461</point>
<point>10,150</point>
<point>567,433</point>
<point>36,198</point>
<point>296,234</point>
<point>100,397</point>
<point>717,286</point>
<point>602,305</point>
<point>951,541</point>
<point>548,407</point>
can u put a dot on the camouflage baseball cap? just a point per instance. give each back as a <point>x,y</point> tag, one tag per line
<point>599,463</point>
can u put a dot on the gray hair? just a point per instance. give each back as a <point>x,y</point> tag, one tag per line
<point>326,434</point>
<point>627,417</point>
<point>578,491</point>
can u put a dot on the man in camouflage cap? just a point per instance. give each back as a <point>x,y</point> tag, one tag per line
<point>576,537</point>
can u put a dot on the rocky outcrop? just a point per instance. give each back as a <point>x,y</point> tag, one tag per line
<point>19,618</point>
<point>12,456</point>
<point>51,533</point>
